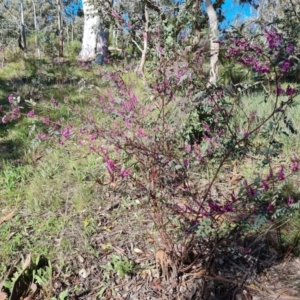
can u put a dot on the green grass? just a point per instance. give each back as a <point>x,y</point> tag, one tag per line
<point>49,196</point>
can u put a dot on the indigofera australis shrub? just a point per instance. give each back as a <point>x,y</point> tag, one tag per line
<point>161,145</point>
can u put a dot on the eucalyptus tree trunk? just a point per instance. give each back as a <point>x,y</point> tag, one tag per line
<point>140,70</point>
<point>23,32</point>
<point>67,32</point>
<point>214,45</point>
<point>72,32</point>
<point>95,37</point>
<point>91,25</point>
<point>60,29</point>
<point>36,31</point>
<point>102,45</point>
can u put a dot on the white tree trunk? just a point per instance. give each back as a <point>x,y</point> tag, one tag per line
<point>60,29</point>
<point>36,31</point>
<point>23,32</point>
<point>214,45</point>
<point>141,68</point>
<point>90,29</point>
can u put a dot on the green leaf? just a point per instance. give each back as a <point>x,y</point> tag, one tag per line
<point>63,295</point>
<point>101,292</point>
<point>259,221</point>
<point>169,40</point>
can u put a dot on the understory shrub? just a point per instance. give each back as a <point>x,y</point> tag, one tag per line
<point>170,145</point>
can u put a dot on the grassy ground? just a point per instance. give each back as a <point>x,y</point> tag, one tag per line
<point>50,200</point>
<point>53,206</point>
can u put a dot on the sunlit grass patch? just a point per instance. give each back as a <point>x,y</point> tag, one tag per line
<point>260,105</point>
<point>11,70</point>
<point>28,232</point>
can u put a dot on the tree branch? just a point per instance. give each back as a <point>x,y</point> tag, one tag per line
<point>137,45</point>
<point>154,7</point>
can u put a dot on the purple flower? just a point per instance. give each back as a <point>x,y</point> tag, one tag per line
<point>265,185</point>
<point>206,127</point>
<point>270,207</point>
<point>290,48</point>
<point>250,189</point>
<point>285,65</point>
<point>273,38</point>
<point>4,119</point>
<point>110,165</point>
<point>215,207</point>
<point>233,52</point>
<point>66,132</point>
<point>188,148</point>
<point>295,165</point>
<point>228,208</point>
<point>125,173</point>
<point>10,98</point>
<point>116,15</point>
<point>42,136</point>
<point>257,49</point>
<point>264,69</point>
<point>290,201</point>
<point>248,251</point>
<point>199,158</point>
<point>141,133</point>
<point>14,117</point>
<point>60,142</point>
<point>290,91</point>
<point>280,174</point>
<point>56,104</point>
<point>16,110</point>
<point>46,121</point>
<point>134,99</point>
<point>93,137</point>
<point>127,106</point>
<point>248,61</point>
<point>30,113</point>
<point>279,90</point>
<point>261,68</point>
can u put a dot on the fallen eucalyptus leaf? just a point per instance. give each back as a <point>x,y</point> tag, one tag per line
<point>7,217</point>
<point>138,251</point>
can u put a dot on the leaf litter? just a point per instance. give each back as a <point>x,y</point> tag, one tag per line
<point>130,236</point>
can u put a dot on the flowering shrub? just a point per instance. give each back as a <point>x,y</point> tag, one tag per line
<point>157,146</point>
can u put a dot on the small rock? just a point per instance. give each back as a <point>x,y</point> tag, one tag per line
<point>80,258</point>
<point>57,285</point>
<point>84,273</point>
